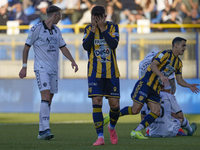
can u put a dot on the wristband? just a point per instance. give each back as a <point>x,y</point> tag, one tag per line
<point>24,65</point>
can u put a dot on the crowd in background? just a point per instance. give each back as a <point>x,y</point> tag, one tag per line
<point>30,12</point>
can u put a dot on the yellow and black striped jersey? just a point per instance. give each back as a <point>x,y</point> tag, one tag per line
<point>168,63</point>
<point>102,61</point>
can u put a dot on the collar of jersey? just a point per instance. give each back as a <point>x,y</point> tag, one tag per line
<point>45,26</point>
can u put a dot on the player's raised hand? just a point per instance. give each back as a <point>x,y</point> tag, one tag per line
<point>74,65</point>
<point>94,23</point>
<point>193,88</point>
<point>22,73</point>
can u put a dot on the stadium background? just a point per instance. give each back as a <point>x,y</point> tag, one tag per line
<point>17,95</point>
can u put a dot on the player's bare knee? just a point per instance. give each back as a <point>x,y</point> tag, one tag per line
<point>156,112</point>
<point>97,101</point>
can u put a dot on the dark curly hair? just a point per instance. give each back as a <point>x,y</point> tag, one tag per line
<point>98,11</point>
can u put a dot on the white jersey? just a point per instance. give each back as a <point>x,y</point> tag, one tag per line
<point>163,126</point>
<point>46,44</point>
<point>143,65</point>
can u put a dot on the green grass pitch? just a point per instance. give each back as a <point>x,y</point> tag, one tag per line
<point>18,131</point>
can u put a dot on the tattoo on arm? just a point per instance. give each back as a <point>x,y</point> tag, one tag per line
<point>173,85</point>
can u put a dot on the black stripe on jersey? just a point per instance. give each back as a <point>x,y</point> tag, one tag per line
<point>178,111</point>
<point>62,46</point>
<point>27,44</point>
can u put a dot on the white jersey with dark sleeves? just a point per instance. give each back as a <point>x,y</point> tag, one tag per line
<point>143,65</point>
<point>163,125</point>
<point>46,43</point>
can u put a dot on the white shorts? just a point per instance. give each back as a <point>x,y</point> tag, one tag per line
<point>175,106</point>
<point>47,81</point>
<point>172,131</point>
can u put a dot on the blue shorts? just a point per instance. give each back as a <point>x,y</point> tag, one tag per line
<point>103,87</point>
<point>143,93</point>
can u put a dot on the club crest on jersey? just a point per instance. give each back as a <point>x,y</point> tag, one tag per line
<point>90,90</point>
<point>141,98</point>
<point>160,55</point>
<point>115,89</point>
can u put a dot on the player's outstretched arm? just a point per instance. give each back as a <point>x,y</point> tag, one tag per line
<point>22,72</point>
<point>68,55</point>
<point>183,83</point>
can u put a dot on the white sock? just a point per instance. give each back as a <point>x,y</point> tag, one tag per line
<point>45,113</point>
<point>139,127</point>
<point>41,128</point>
<point>185,125</point>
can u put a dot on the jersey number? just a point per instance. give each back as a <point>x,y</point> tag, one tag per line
<point>161,111</point>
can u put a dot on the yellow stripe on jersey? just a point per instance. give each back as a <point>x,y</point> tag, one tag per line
<point>116,67</point>
<point>91,62</point>
<point>99,64</point>
<point>151,79</point>
<point>108,65</point>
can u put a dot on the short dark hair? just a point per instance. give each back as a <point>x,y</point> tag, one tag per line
<point>98,11</point>
<point>52,9</point>
<point>177,40</point>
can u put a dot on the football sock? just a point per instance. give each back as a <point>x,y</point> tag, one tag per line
<point>126,111</point>
<point>185,125</point>
<point>98,119</point>
<point>45,113</point>
<point>100,135</point>
<point>114,116</point>
<point>148,119</point>
<point>41,128</point>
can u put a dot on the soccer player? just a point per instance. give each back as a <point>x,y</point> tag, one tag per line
<point>46,39</point>
<point>143,65</point>
<point>165,125</point>
<point>148,87</point>
<point>100,41</point>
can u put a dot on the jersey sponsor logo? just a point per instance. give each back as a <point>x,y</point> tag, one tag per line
<point>52,47</point>
<point>142,93</point>
<point>114,94</point>
<point>99,42</point>
<point>103,51</point>
<point>103,60</point>
<point>51,50</point>
<point>51,40</point>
